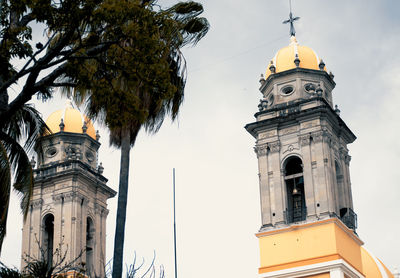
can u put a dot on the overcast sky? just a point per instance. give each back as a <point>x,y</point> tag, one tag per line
<point>218,209</point>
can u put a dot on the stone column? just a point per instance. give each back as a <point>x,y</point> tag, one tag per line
<point>97,235</point>
<point>26,236</point>
<point>322,195</point>
<point>329,172</point>
<point>68,225</point>
<point>309,187</point>
<point>36,235</point>
<point>102,260</point>
<point>275,183</point>
<point>262,152</point>
<point>347,181</point>
<point>58,203</point>
<point>335,185</point>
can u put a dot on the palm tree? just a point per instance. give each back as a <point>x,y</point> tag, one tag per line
<point>125,100</point>
<point>25,126</point>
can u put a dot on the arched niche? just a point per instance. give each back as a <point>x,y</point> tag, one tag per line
<point>48,238</point>
<point>89,245</point>
<point>296,204</point>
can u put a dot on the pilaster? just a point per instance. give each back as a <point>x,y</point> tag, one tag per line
<point>275,182</point>
<point>265,199</point>
<point>305,143</point>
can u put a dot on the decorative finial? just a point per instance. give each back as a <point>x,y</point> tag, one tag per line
<point>297,61</point>
<point>97,135</point>
<point>291,20</point>
<point>319,91</point>
<point>84,127</point>
<point>331,75</point>
<point>33,162</point>
<point>272,67</point>
<point>262,79</point>
<point>263,105</point>
<point>337,111</point>
<point>321,65</point>
<point>61,125</point>
<point>100,168</point>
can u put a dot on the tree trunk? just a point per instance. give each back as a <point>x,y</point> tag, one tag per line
<point>122,201</point>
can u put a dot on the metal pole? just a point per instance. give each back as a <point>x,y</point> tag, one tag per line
<point>176,266</point>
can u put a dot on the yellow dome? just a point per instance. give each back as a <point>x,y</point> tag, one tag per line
<point>285,58</point>
<point>373,267</point>
<point>73,121</point>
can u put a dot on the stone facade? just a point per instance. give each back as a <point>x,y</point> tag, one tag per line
<point>297,119</point>
<point>70,191</point>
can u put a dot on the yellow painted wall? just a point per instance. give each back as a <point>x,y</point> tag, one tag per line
<point>308,244</point>
<point>348,249</point>
<point>295,245</point>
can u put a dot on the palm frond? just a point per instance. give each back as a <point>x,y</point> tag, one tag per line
<point>8,272</point>
<point>21,169</point>
<point>26,124</point>
<point>5,179</point>
<point>190,26</point>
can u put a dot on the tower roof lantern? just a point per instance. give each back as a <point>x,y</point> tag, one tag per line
<point>294,56</point>
<point>72,120</point>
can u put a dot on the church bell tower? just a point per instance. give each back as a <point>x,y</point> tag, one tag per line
<point>68,208</point>
<point>308,221</point>
<point>301,143</point>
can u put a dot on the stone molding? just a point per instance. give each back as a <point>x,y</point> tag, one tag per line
<point>69,197</point>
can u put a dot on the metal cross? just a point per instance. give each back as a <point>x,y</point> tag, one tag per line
<point>291,20</point>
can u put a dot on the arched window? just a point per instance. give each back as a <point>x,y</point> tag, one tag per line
<point>89,245</point>
<point>296,203</point>
<point>48,238</point>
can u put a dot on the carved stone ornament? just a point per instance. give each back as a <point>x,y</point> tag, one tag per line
<point>104,212</point>
<point>327,136</point>
<point>343,152</point>
<point>313,164</point>
<point>290,148</point>
<point>334,144</point>
<point>347,159</point>
<point>274,146</point>
<point>317,136</point>
<point>261,150</point>
<point>304,140</point>
<point>85,201</point>
<point>71,196</point>
<point>73,152</point>
<point>37,203</point>
<point>58,198</point>
<point>97,208</point>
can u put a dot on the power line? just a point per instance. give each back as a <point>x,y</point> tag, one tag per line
<point>237,54</point>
